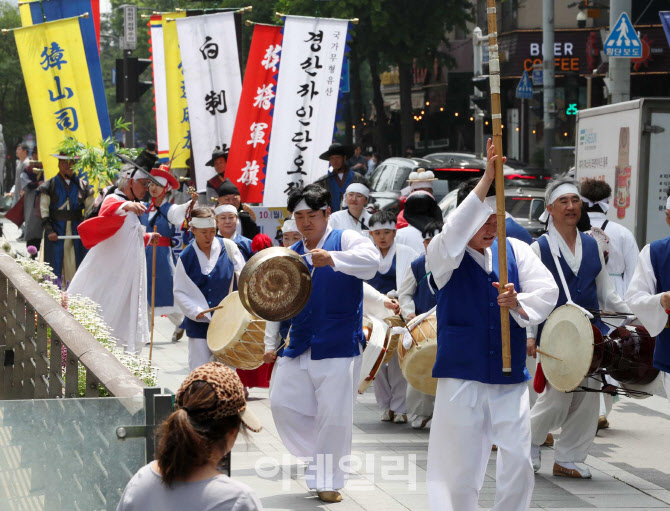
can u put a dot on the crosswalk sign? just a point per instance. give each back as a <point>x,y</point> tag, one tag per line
<point>525,89</point>
<point>623,41</point>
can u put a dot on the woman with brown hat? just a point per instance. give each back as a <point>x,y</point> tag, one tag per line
<point>210,412</point>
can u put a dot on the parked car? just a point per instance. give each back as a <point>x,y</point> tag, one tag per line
<point>524,204</point>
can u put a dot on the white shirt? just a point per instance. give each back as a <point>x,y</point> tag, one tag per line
<point>446,250</point>
<point>623,251</point>
<point>187,296</point>
<point>411,237</point>
<point>642,297</point>
<point>344,220</point>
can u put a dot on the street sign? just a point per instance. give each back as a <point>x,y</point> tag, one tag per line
<point>623,41</point>
<point>665,19</point>
<point>538,77</point>
<point>525,89</point>
<point>129,39</point>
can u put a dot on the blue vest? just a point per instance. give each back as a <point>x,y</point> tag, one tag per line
<point>284,328</point>
<point>336,191</point>
<point>424,298</point>
<point>582,286</point>
<point>164,256</point>
<point>385,282</point>
<point>244,244</point>
<point>214,286</point>
<point>469,344</point>
<point>331,322</point>
<point>514,230</point>
<point>659,253</point>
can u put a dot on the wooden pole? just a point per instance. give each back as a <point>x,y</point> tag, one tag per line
<point>153,295</point>
<point>496,118</point>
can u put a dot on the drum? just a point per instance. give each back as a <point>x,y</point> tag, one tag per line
<point>235,336</point>
<point>576,349</point>
<point>394,339</point>
<point>373,356</point>
<point>417,362</point>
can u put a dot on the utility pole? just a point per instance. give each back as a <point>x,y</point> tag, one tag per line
<point>548,79</point>
<point>619,68</point>
<point>128,44</point>
<point>477,69</point>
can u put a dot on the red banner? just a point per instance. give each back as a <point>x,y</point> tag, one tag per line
<point>247,160</point>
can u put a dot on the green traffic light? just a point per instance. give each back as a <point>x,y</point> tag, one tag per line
<point>572,109</point>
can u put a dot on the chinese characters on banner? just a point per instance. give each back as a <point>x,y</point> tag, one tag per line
<point>213,83</point>
<point>305,104</point>
<point>179,128</point>
<point>249,148</point>
<point>160,86</point>
<point>59,87</point>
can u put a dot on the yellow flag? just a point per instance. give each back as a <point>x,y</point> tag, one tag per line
<point>59,88</point>
<point>26,15</point>
<point>179,126</point>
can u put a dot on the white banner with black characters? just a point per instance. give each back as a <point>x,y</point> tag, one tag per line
<point>213,83</point>
<point>305,104</point>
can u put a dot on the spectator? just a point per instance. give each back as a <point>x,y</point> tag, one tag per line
<point>357,162</point>
<point>210,411</point>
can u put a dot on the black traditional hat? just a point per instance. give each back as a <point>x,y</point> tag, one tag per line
<point>227,188</point>
<point>146,160</point>
<point>337,149</point>
<point>217,153</point>
<point>144,173</point>
<point>421,209</point>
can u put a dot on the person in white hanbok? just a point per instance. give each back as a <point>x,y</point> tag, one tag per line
<point>316,381</point>
<point>476,406</point>
<point>355,216</point>
<point>118,238</point>
<point>204,276</point>
<point>390,385</point>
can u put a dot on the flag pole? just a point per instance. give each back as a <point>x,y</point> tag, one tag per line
<point>496,118</point>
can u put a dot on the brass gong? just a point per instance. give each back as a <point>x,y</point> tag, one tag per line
<point>275,284</point>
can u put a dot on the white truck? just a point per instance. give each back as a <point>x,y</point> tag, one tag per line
<point>628,146</point>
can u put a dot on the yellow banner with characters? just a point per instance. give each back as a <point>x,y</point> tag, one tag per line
<point>59,88</point>
<point>178,122</point>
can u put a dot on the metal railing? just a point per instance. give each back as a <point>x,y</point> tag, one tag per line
<point>33,329</point>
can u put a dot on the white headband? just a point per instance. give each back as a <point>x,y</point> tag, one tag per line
<point>564,189</point>
<point>358,188</point>
<point>604,204</point>
<point>203,223</point>
<point>225,208</point>
<point>289,226</point>
<point>161,180</point>
<point>302,205</point>
<point>667,203</point>
<point>386,225</point>
<point>491,202</point>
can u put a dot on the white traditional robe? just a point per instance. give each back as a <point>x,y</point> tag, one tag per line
<point>191,301</point>
<point>344,220</point>
<point>645,302</point>
<point>312,401</point>
<point>114,275</point>
<point>575,413</point>
<point>470,416</point>
<point>410,236</point>
<point>623,252</point>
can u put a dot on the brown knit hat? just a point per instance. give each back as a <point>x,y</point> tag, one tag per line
<point>229,392</point>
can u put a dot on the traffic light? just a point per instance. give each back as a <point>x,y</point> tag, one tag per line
<point>129,87</point>
<point>571,85</point>
<point>482,99</point>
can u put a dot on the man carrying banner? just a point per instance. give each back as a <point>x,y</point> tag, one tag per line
<point>219,161</point>
<point>63,199</point>
<point>337,181</point>
<point>312,399</point>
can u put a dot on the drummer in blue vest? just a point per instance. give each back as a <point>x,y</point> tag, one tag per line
<point>167,218</point>
<point>417,296</point>
<point>226,221</point>
<point>574,258</point>
<point>648,296</point>
<point>316,382</point>
<point>390,385</point>
<point>204,276</point>
<point>475,405</point>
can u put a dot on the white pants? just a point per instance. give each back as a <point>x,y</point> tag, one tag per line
<point>312,403</point>
<point>198,353</point>
<point>469,418</point>
<point>418,403</point>
<point>576,413</point>
<point>531,365</point>
<point>391,387</point>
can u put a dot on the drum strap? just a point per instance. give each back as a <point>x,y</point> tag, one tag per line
<point>565,285</point>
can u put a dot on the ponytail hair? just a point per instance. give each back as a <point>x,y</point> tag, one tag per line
<point>187,437</point>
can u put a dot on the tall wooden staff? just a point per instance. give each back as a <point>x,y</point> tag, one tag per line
<point>496,117</point>
<point>153,295</point>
